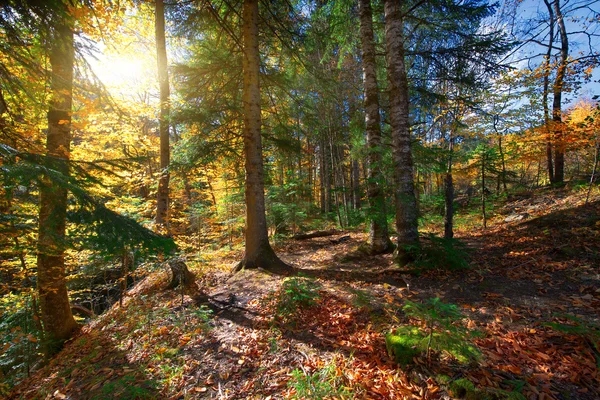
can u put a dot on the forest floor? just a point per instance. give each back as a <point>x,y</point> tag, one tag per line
<point>532,293</point>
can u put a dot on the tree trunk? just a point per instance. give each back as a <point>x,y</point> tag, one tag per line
<point>547,127</point>
<point>449,193</point>
<point>406,204</point>
<point>379,238</point>
<point>355,185</point>
<point>483,190</point>
<point>56,315</point>
<point>259,253</point>
<point>559,148</point>
<point>162,197</point>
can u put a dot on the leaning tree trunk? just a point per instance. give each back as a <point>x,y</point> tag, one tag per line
<point>162,197</point>
<point>55,310</point>
<point>259,253</point>
<point>559,148</point>
<point>406,203</point>
<point>379,239</point>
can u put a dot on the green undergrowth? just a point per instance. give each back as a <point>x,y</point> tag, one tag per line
<point>322,384</point>
<point>295,293</point>
<point>442,332</point>
<point>463,388</point>
<point>438,253</point>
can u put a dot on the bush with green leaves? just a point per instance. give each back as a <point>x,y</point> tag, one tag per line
<point>296,292</point>
<point>320,385</point>
<point>442,333</point>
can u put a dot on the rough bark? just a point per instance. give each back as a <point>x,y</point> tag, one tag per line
<point>379,238</point>
<point>182,276</point>
<point>55,309</point>
<point>406,204</point>
<point>559,148</point>
<point>162,197</point>
<point>259,253</point>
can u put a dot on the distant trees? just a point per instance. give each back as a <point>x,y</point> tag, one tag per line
<point>561,66</point>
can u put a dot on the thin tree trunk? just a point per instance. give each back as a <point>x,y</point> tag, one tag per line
<point>449,193</point>
<point>356,185</point>
<point>547,127</point>
<point>406,204</point>
<point>162,197</point>
<point>559,150</point>
<point>593,177</point>
<point>259,253</point>
<point>379,238</point>
<point>58,321</point>
<point>483,161</point>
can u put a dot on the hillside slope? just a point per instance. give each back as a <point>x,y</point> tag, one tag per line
<point>533,294</point>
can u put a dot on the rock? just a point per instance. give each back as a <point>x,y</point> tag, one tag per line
<point>516,217</point>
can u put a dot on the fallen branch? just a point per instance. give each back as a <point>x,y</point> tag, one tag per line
<point>315,234</point>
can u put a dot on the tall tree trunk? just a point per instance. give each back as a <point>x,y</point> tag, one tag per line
<point>379,238</point>
<point>355,185</point>
<point>56,315</point>
<point>449,192</point>
<point>406,204</point>
<point>559,148</point>
<point>259,253</point>
<point>162,197</point>
<point>483,189</point>
<point>547,127</point>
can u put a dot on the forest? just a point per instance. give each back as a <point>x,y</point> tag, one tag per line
<point>295,199</point>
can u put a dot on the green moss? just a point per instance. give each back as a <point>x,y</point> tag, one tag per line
<point>464,389</point>
<point>404,344</point>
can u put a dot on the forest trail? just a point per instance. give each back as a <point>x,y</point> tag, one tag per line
<point>533,293</point>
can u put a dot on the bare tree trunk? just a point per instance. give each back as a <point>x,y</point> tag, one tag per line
<point>162,197</point>
<point>559,150</point>
<point>356,185</point>
<point>379,238</point>
<point>406,204</point>
<point>550,163</point>
<point>259,253</point>
<point>55,309</point>
<point>449,193</point>
<point>483,190</point>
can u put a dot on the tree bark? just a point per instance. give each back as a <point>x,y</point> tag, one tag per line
<point>55,309</point>
<point>162,197</point>
<point>259,253</point>
<point>406,204</point>
<point>449,192</point>
<point>547,127</point>
<point>559,148</point>
<point>379,238</point>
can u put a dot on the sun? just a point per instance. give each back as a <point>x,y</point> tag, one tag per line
<point>124,75</point>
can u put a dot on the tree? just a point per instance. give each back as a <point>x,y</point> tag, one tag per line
<point>162,197</point>
<point>55,309</point>
<point>406,203</point>
<point>379,240</point>
<point>258,252</point>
